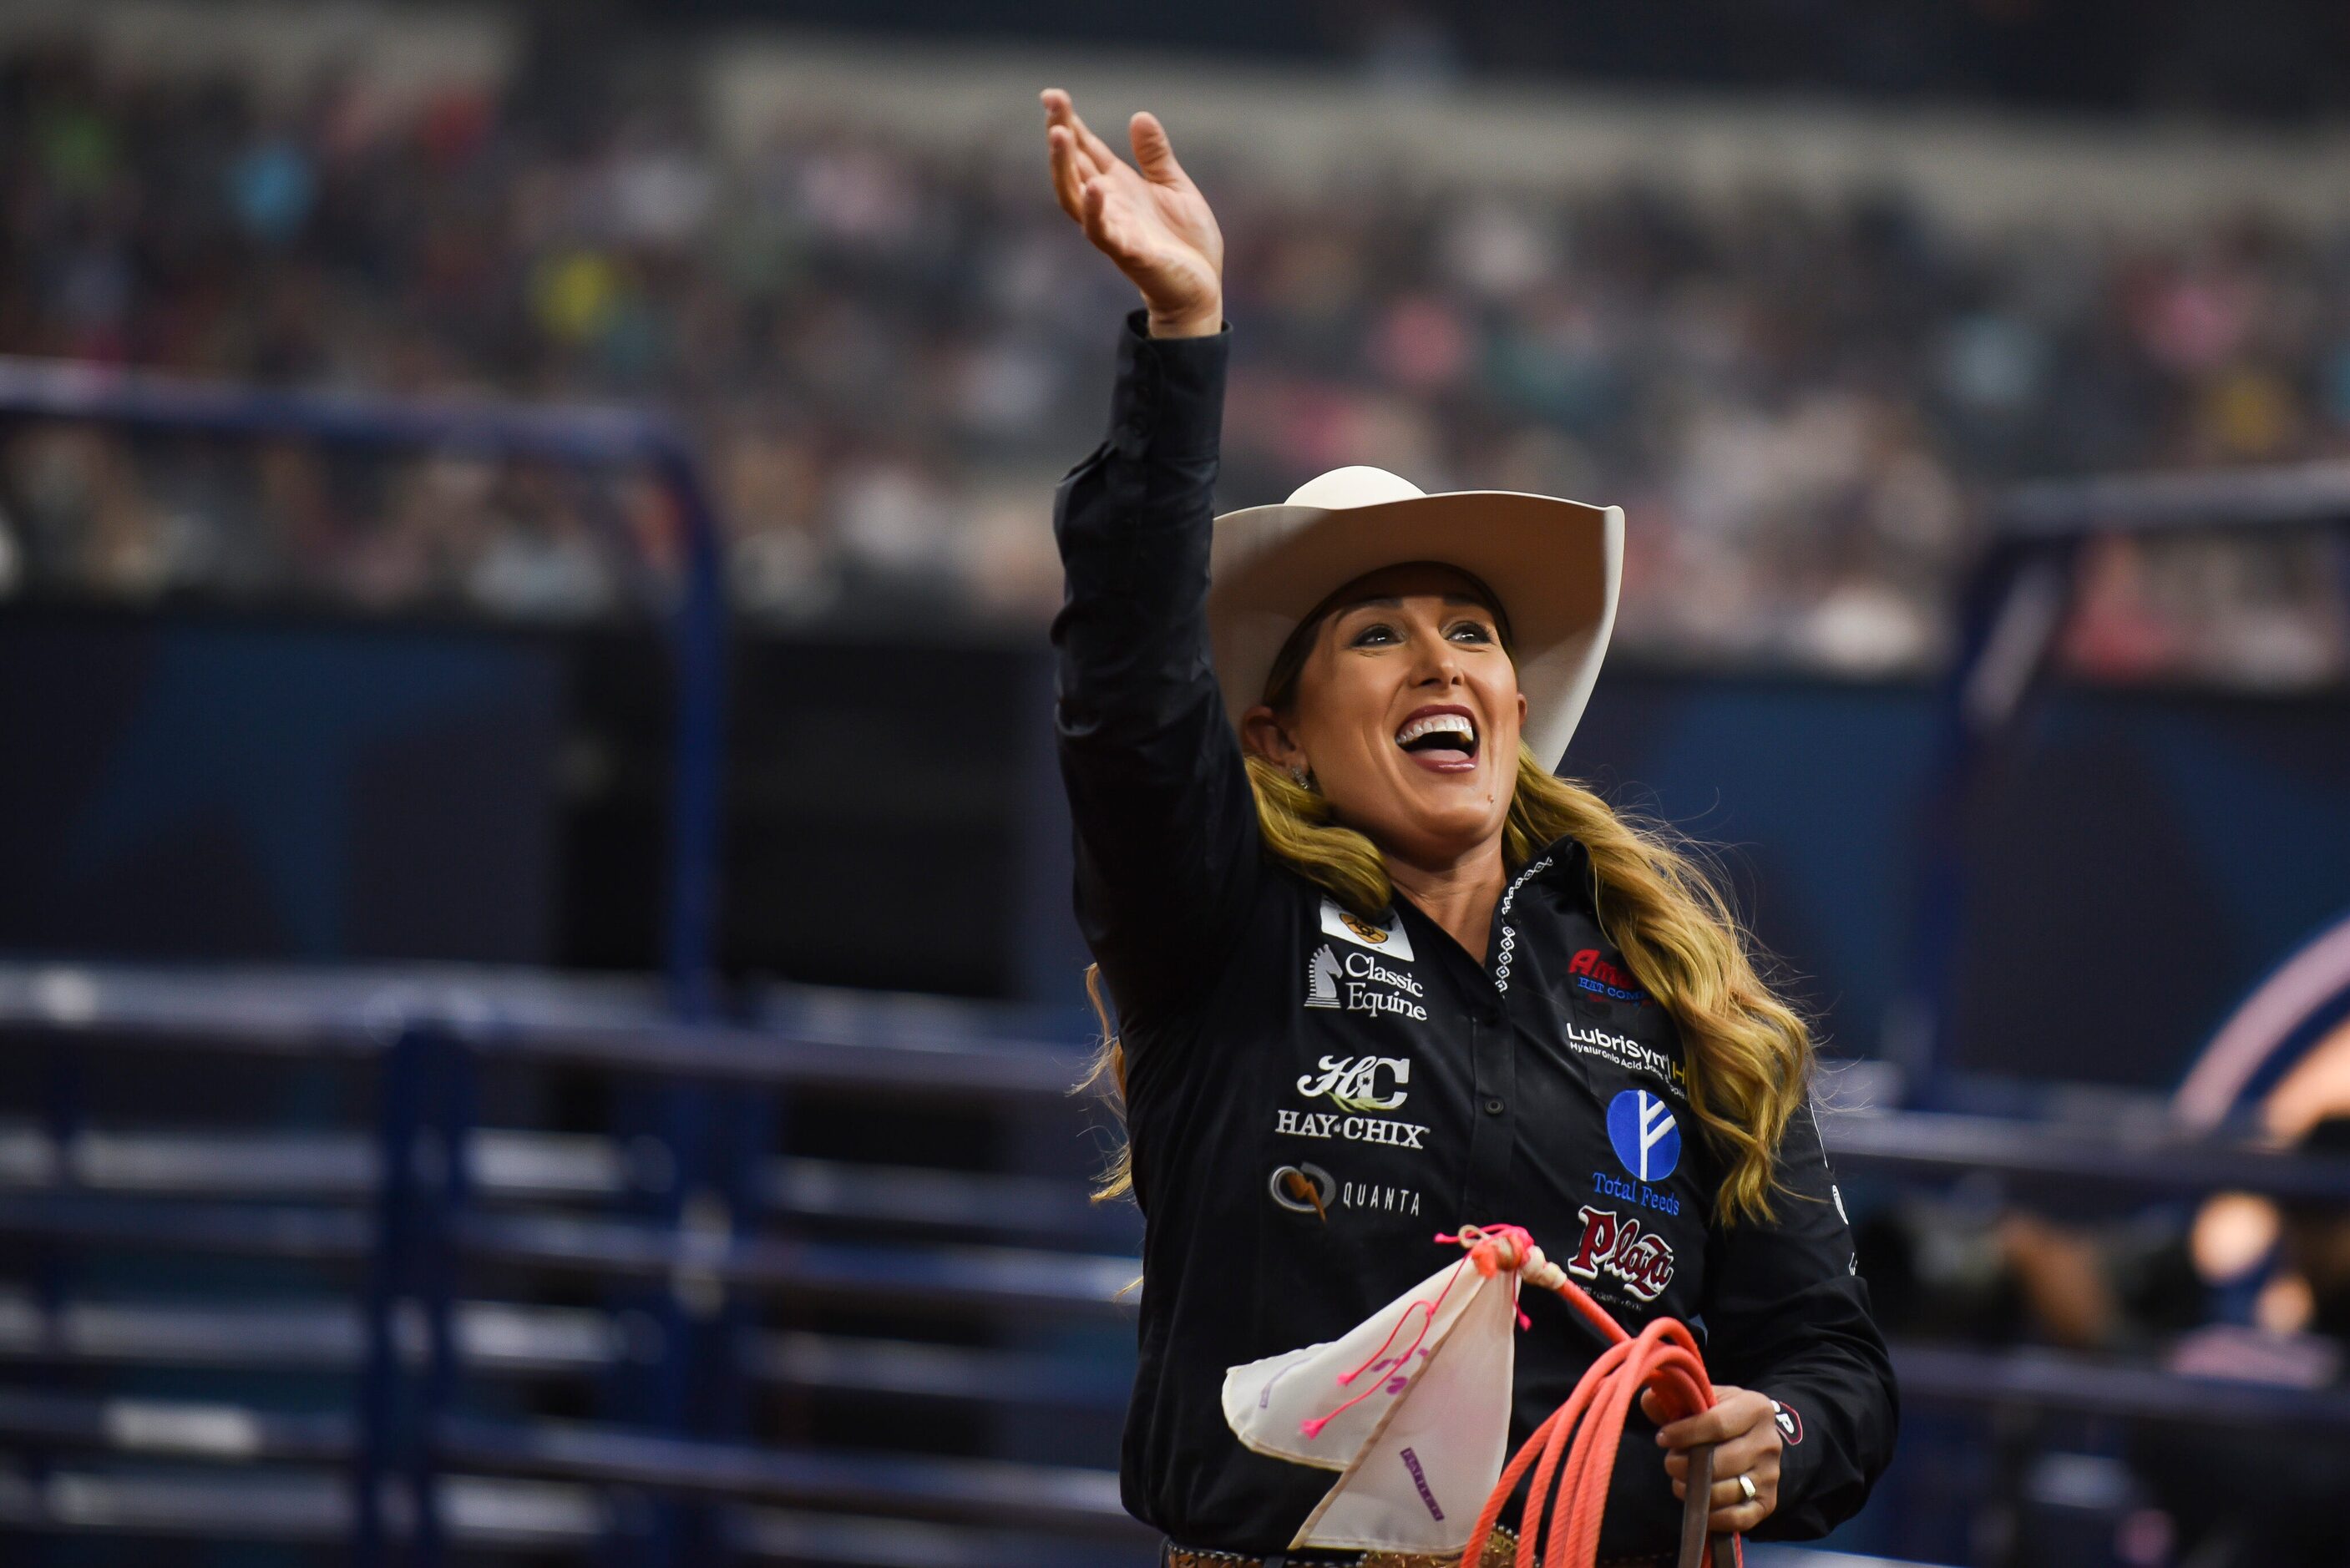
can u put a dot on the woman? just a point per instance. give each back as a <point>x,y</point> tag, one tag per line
<point>1378,972</point>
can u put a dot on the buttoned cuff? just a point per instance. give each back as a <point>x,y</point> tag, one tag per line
<point>1796,1457</point>
<point>1168,404</point>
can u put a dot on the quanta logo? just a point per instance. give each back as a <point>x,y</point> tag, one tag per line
<point>1304,1190</point>
<point>1646,1139</point>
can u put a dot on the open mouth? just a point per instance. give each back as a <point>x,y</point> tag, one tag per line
<point>1440,738</point>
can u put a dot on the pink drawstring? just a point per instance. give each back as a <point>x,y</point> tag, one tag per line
<point>1313,1426</point>
<point>1488,1257</point>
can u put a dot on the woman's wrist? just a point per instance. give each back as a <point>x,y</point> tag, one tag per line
<point>1189,324</point>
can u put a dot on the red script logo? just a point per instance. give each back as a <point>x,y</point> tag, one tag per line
<point>1642,1260</point>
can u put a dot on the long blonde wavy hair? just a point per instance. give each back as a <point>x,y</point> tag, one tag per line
<point>1748,1053</point>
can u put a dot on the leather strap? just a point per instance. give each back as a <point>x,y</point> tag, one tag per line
<point>1500,1552</point>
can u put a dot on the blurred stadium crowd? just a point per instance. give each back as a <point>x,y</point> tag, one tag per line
<point>889,355</point>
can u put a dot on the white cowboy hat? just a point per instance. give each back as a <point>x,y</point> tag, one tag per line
<point>1555,564</point>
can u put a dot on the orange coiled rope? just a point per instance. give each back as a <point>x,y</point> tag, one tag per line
<point>1586,1430</point>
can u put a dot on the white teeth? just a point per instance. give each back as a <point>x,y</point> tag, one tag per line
<point>1436,723</point>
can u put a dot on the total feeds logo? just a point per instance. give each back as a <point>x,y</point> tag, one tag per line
<point>1647,1139</point>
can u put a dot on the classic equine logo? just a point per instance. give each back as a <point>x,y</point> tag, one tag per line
<point>1390,938</point>
<point>1352,1083</point>
<point>1322,978</point>
<point>1646,1139</point>
<point>1642,1259</point>
<point>1361,983</point>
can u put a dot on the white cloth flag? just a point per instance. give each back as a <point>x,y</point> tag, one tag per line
<point>1420,1453</point>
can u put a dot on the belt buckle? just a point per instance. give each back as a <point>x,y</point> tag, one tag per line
<point>1500,1552</point>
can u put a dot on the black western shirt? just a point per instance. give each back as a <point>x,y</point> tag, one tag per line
<point>1312,1097</point>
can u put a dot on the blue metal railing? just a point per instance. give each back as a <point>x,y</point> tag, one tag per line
<point>411,1245</point>
<point>432,1216</point>
<point>2010,614</point>
<point>581,436</point>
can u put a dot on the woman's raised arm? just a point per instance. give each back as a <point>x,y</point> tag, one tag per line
<point>1166,825</point>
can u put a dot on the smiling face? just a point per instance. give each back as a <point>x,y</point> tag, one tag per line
<point>1406,710</point>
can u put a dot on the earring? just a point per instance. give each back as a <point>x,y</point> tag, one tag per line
<point>1300,777</point>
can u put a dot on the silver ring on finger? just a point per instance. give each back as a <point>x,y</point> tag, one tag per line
<point>1746,1485</point>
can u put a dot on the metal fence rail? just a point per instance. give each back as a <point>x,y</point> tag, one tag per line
<point>413,1211</point>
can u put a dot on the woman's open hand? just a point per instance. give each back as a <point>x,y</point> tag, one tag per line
<point>1146,216</point>
<point>1744,1429</point>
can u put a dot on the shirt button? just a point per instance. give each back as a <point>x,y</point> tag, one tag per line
<point>1493,1107</point>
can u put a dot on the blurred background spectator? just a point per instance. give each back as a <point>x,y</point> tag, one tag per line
<point>889,352</point>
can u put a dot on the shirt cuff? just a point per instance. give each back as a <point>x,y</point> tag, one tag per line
<point>1168,404</point>
<point>1795,1453</point>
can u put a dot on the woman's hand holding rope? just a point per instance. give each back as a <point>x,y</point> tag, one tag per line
<point>1741,1424</point>
<point>1146,216</point>
<point>1743,1427</point>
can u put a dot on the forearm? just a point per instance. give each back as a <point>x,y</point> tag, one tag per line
<point>1164,818</point>
<point>1133,522</point>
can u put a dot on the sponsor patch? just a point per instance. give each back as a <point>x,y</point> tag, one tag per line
<point>1353,1083</point>
<point>1322,974</point>
<point>1304,1190</point>
<point>1646,1139</point>
<point>1589,1040</point>
<point>1358,983</point>
<point>1624,1250</point>
<point>1350,1129</point>
<point>1637,1192</point>
<point>1790,1426</point>
<point>1384,1199</point>
<point>1595,974</point>
<point>1390,938</point>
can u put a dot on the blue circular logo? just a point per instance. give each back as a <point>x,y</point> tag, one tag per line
<point>1646,1139</point>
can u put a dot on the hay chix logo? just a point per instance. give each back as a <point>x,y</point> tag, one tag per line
<point>1642,1260</point>
<point>1352,1083</point>
<point>1646,1139</point>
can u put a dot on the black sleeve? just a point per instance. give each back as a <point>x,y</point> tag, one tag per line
<point>1788,1316</point>
<point>1166,825</point>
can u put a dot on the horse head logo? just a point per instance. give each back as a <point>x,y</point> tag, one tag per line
<point>1322,979</point>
